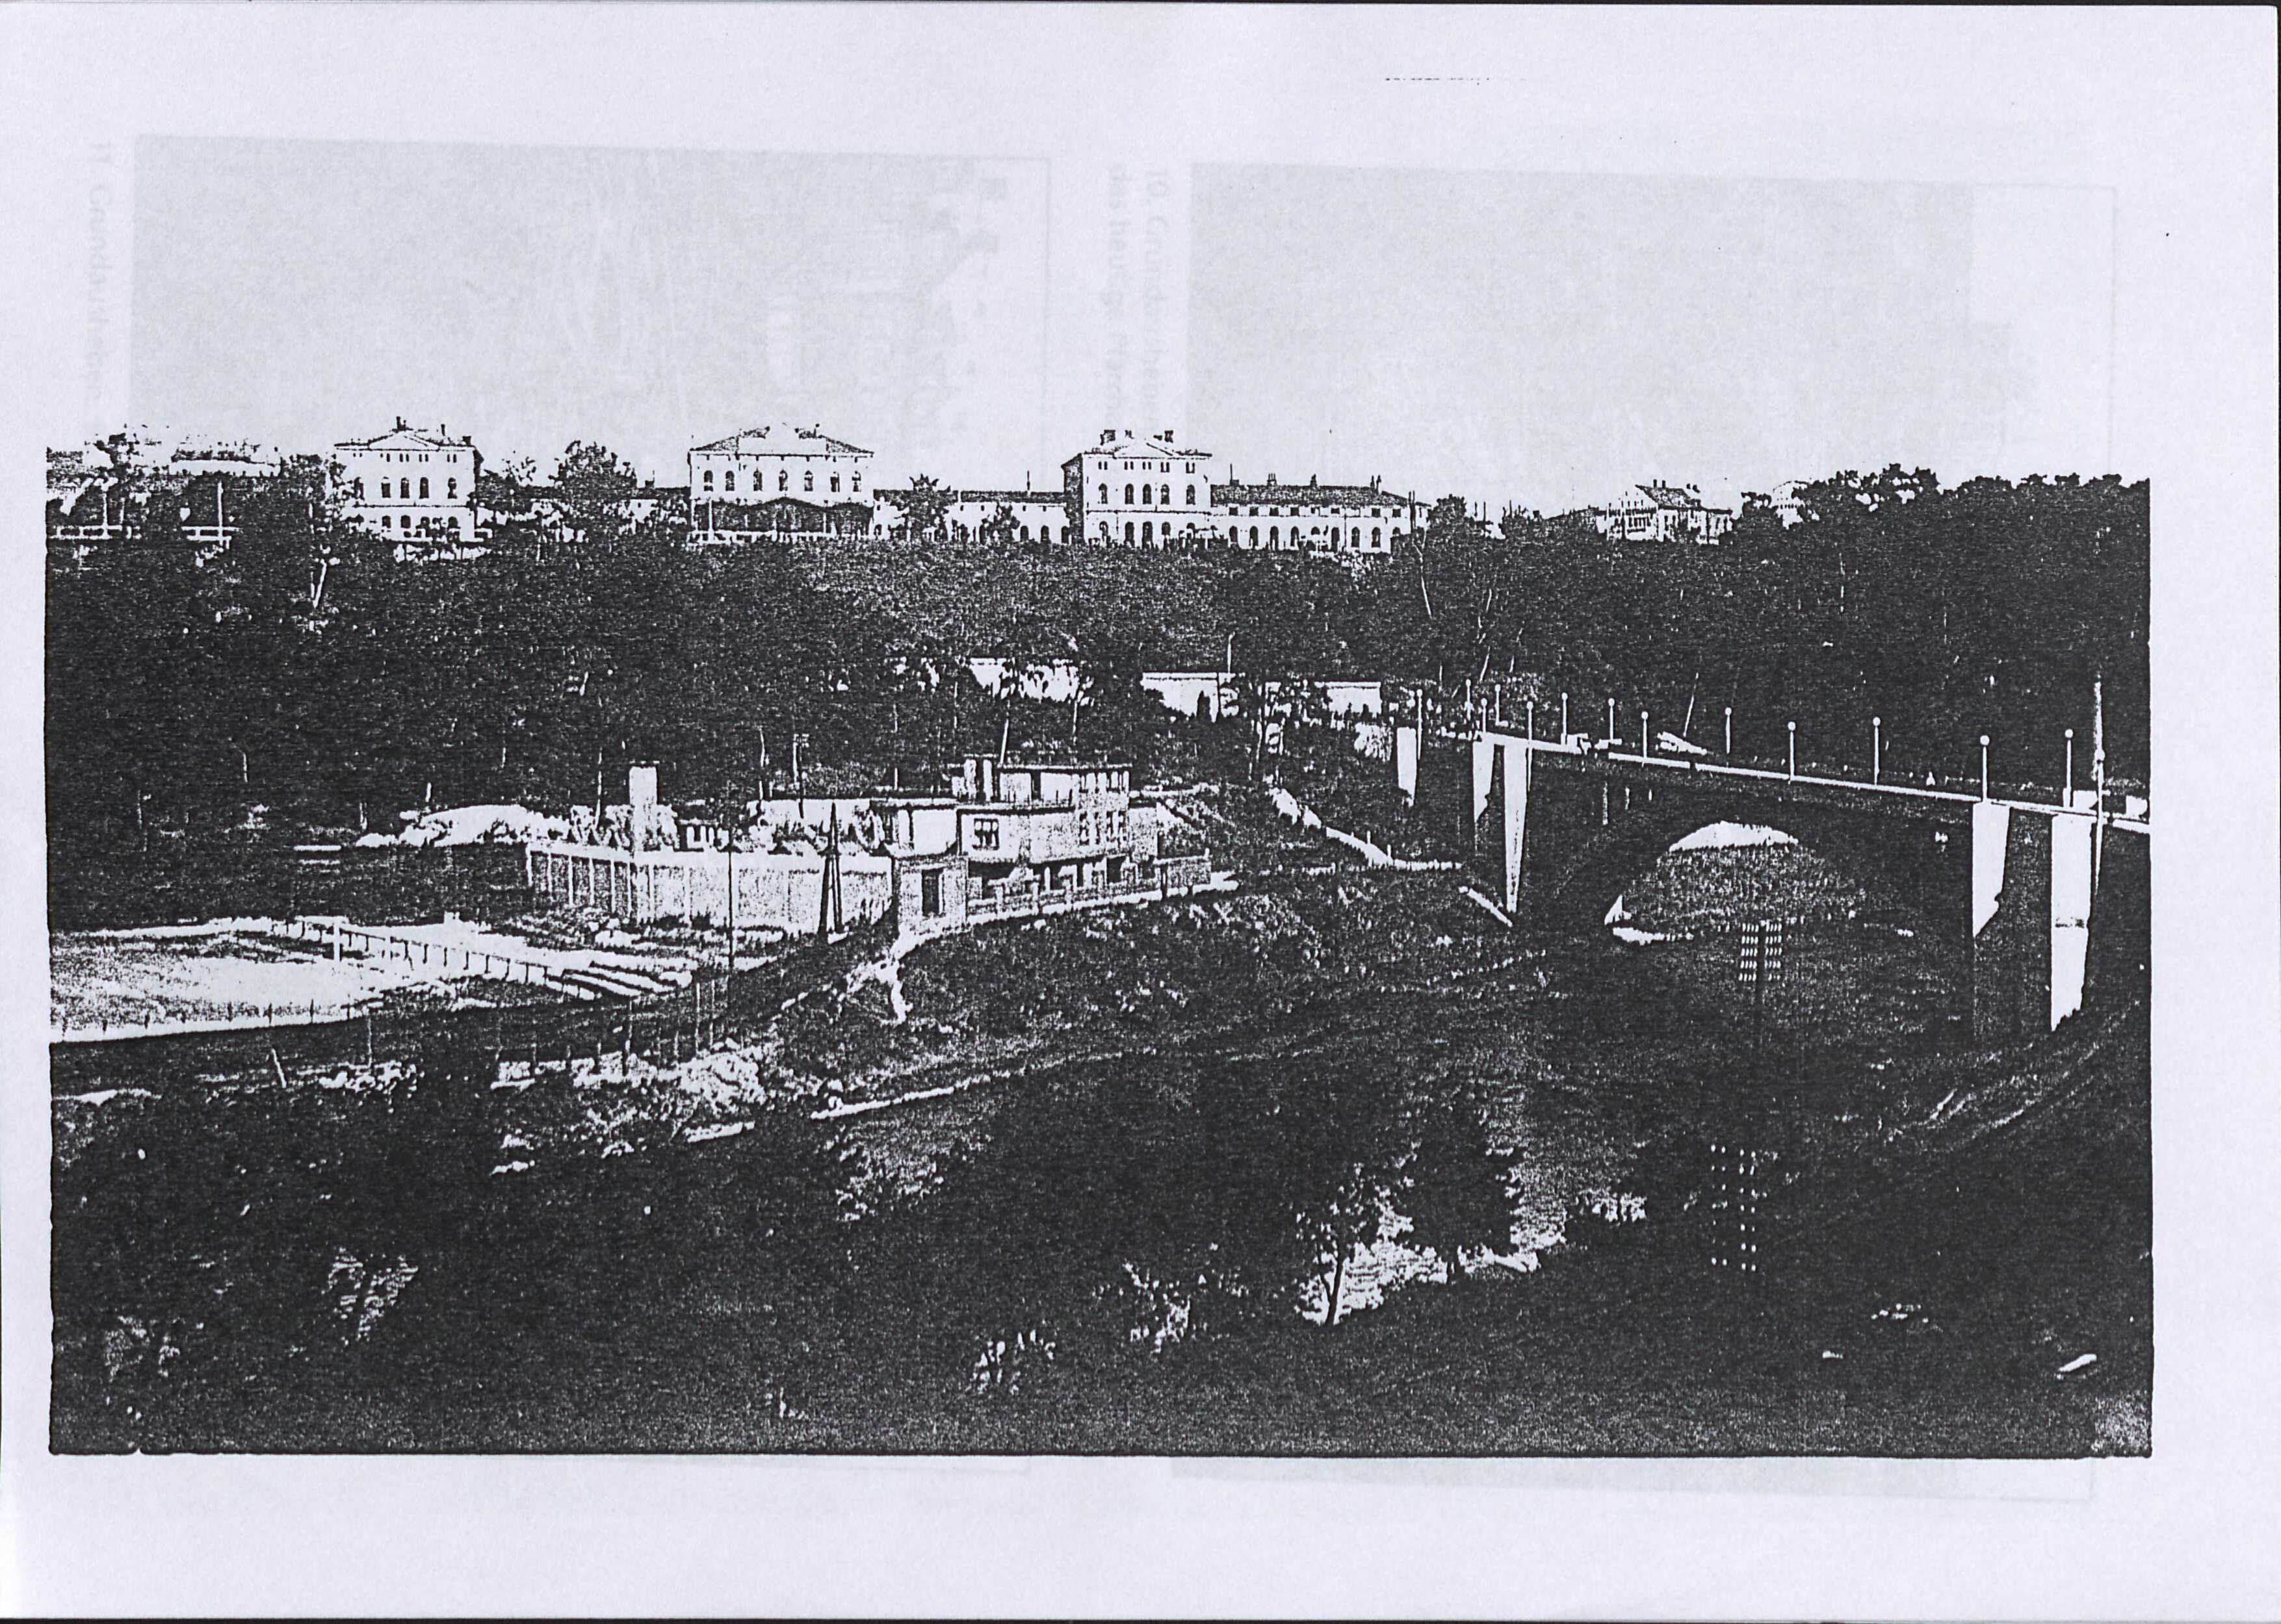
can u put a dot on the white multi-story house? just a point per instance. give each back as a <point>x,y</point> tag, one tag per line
<point>778,479</point>
<point>1362,521</point>
<point>1148,491</point>
<point>1656,512</point>
<point>416,489</point>
<point>1139,490</point>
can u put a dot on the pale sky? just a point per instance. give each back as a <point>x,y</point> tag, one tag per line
<point>1539,339</point>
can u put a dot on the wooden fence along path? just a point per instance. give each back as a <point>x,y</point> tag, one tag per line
<point>1174,877</point>
<point>382,942</point>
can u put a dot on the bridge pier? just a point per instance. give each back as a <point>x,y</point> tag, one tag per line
<point>2032,907</point>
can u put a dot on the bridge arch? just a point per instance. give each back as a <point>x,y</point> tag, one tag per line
<point>1589,836</point>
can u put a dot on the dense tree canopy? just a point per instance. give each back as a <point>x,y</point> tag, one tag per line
<point>306,669</point>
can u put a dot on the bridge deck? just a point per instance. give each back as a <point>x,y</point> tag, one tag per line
<point>1944,803</point>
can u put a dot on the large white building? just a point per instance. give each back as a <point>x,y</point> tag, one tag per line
<point>781,480</point>
<point>1147,490</point>
<point>1656,512</point>
<point>415,488</point>
<point>1141,490</point>
<point>1362,521</point>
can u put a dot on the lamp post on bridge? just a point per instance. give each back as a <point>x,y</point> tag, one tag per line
<point>2067,793</point>
<point>1729,751</point>
<point>1876,748</point>
<point>1793,750</point>
<point>1564,718</point>
<point>1612,718</point>
<point>1532,722</point>
<point>1983,767</point>
<point>1644,749</point>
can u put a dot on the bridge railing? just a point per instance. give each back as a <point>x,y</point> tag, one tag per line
<point>2131,813</point>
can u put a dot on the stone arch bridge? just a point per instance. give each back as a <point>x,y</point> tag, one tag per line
<point>2048,903</point>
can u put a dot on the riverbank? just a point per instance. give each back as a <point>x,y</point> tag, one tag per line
<point>1130,1158</point>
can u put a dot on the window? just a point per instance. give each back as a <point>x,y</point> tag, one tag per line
<point>452,489</point>
<point>708,479</point>
<point>1026,533</point>
<point>360,490</point>
<point>1192,496</point>
<point>1255,536</point>
<point>784,481</point>
<point>1272,536</point>
<point>1334,535</point>
<point>1128,531</point>
<point>985,833</point>
<point>1165,496</point>
<point>931,891</point>
<point>835,482</point>
<point>855,479</point>
<point>385,491</point>
<point>1104,494</point>
<point>424,488</point>
<point>1128,493</point>
<point>1145,533</point>
<point>1146,491</point>
<point>1234,534</point>
<point>1374,536</point>
<point>384,524</point>
<point>729,481</point>
<point>808,478</point>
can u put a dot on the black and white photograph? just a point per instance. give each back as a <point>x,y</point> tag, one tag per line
<point>1113,787</point>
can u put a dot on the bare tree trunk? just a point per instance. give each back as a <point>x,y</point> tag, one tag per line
<point>1338,1283</point>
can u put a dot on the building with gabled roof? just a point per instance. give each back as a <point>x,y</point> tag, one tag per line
<point>1142,491</point>
<point>1360,521</point>
<point>780,480</point>
<point>1656,512</point>
<point>416,489</point>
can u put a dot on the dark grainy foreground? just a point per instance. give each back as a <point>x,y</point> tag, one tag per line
<point>1171,1139</point>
